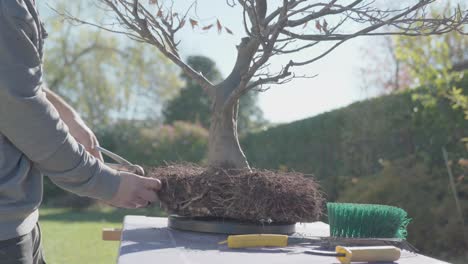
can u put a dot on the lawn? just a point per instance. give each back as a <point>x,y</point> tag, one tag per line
<point>74,236</point>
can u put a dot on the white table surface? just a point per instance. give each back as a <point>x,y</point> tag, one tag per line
<point>148,240</point>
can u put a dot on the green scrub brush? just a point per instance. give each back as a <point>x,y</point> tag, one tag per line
<point>367,221</point>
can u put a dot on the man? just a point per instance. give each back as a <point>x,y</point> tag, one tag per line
<point>41,134</point>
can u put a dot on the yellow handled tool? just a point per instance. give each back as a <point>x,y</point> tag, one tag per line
<point>344,254</point>
<point>347,255</point>
<point>257,240</point>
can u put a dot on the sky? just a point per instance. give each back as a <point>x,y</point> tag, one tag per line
<point>337,82</point>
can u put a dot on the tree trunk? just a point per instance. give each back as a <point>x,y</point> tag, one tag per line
<point>224,150</point>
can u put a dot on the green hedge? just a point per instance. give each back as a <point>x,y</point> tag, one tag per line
<point>355,140</point>
<point>155,145</point>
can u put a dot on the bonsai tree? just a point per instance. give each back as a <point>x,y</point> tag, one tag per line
<point>272,31</point>
<point>276,28</point>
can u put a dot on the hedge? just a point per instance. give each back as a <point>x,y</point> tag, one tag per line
<point>354,141</point>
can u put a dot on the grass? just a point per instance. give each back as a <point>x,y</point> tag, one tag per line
<point>74,236</point>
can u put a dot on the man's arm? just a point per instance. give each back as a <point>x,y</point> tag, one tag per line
<point>77,127</point>
<point>33,125</point>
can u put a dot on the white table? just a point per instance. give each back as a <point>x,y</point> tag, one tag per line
<point>148,240</point>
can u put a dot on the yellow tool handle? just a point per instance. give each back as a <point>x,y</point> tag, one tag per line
<point>368,254</point>
<point>257,240</point>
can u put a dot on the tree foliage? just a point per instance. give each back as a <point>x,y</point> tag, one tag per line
<point>191,104</point>
<point>430,63</point>
<point>105,77</point>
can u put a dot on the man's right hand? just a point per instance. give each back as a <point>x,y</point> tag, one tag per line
<point>135,191</point>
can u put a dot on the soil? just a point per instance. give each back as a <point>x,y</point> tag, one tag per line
<point>253,196</point>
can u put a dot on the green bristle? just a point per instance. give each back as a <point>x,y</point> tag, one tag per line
<point>367,221</point>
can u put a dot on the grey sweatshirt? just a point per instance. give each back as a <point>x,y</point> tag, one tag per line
<point>33,139</point>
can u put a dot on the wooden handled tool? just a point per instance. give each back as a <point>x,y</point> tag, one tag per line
<point>367,254</point>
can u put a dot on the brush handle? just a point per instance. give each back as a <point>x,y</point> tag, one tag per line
<point>368,254</point>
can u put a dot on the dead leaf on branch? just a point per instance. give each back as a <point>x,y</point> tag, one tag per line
<point>218,24</point>
<point>193,22</point>
<point>318,26</point>
<point>207,27</point>
<point>228,30</point>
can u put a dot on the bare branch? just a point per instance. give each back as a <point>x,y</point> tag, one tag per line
<point>326,10</point>
<point>273,79</point>
<point>423,26</point>
<point>282,28</point>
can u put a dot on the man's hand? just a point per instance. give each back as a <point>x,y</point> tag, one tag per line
<point>83,134</point>
<point>135,191</point>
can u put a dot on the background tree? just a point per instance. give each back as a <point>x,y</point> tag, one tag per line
<point>281,29</point>
<point>434,64</point>
<point>103,76</point>
<point>193,106</point>
<point>430,63</point>
<point>382,71</point>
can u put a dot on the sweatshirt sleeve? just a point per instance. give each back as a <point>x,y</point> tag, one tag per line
<point>31,122</point>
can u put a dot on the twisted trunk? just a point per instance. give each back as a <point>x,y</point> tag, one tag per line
<point>224,150</point>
